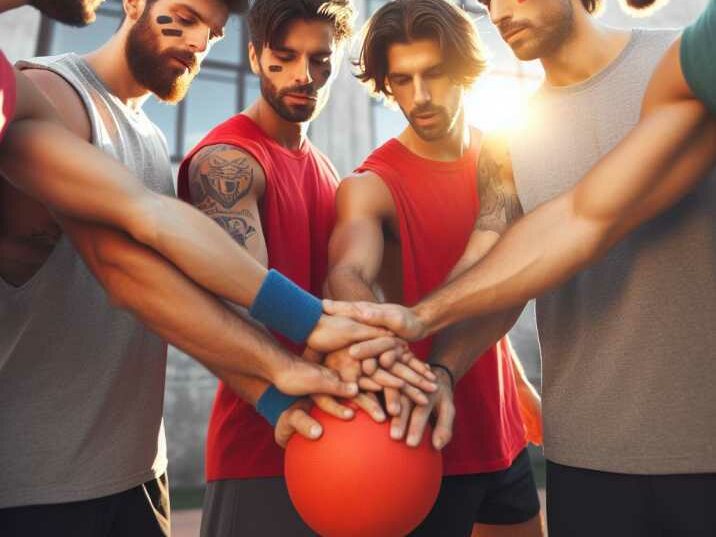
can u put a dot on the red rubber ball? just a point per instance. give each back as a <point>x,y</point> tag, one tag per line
<point>355,481</point>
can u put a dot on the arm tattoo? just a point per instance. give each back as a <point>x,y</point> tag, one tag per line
<point>224,179</point>
<point>219,178</point>
<point>499,207</point>
<point>237,225</point>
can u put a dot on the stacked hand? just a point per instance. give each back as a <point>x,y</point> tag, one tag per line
<point>398,319</point>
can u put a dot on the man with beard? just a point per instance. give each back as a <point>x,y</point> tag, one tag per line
<point>403,220</point>
<point>82,382</point>
<point>92,186</point>
<point>627,391</point>
<point>260,178</point>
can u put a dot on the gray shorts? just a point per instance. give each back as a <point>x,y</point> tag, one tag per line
<point>251,508</point>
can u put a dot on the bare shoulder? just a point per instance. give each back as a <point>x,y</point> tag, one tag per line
<point>226,174</point>
<point>64,98</point>
<point>365,193</point>
<point>494,159</point>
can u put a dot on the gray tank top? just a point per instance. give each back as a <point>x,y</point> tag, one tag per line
<point>81,382</point>
<point>628,345</point>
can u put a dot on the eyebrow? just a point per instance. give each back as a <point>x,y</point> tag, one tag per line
<point>217,31</point>
<point>287,50</point>
<point>435,67</point>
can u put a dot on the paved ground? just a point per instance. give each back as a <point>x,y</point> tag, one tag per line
<point>186,523</point>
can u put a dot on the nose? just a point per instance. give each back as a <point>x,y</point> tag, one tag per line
<point>198,39</point>
<point>302,75</point>
<point>421,94</point>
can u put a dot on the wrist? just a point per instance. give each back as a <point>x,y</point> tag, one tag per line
<point>447,372</point>
<point>428,315</point>
<point>273,403</point>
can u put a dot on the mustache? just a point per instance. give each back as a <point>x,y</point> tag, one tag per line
<point>306,89</point>
<point>185,57</point>
<point>427,109</point>
<point>508,27</point>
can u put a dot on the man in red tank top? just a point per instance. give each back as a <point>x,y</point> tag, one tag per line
<point>259,177</point>
<point>404,219</point>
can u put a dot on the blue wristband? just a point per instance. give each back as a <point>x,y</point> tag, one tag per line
<point>283,306</point>
<point>272,404</point>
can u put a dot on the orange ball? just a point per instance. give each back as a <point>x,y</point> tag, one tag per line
<point>355,481</point>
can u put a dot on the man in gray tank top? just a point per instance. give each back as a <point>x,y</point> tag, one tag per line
<point>626,344</point>
<point>81,381</point>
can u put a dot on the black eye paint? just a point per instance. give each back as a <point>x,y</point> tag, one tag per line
<point>164,19</point>
<point>172,33</point>
<point>275,68</point>
<point>327,73</point>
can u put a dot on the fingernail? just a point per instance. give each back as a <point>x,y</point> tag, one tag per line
<point>413,441</point>
<point>348,413</point>
<point>439,444</point>
<point>430,375</point>
<point>379,416</point>
<point>352,388</point>
<point>395,433</point>
<point>315,431</point>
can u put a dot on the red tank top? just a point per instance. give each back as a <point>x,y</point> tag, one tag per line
<point>297,215</point>
<point>436,205</point>
<point>7,93</point>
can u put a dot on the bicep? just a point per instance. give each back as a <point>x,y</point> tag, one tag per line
<point>499,203</point>
<point>667,84</point>
<point>227,183</point>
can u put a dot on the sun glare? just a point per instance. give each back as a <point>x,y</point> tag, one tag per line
<point>499,102</point>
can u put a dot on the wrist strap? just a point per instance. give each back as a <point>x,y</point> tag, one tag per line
<point>283,306</point>
<point>273,403</point>
<point>447,370</point>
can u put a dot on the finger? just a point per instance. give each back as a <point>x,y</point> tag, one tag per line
<point>399,424</point>
<point>417,365</point>
<point>387,380</point>
<point>392,401</point>
<point>388,358</point>
<point>370,404</point>
<point>369,366</point>
<point>416,395</point>
<point>412,377</point>
<point>358,331</point>
<point>302,378</point>
<point>368,384</point>
<point>418,421</point>
<point>347,368</point>
<point>297,422</point>
<point>375,347</point>
<point>443,426</point>
<point>312,355</point>
<point>330,405</point>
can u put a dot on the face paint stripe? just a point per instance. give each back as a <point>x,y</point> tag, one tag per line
<point>164,19</point>
<point>172,33</point>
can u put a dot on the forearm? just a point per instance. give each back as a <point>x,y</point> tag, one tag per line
<point>561,237</point>
<point>175,308</point>
<point>459,346</point>
<point>347,283</point>
<point>94,187</point>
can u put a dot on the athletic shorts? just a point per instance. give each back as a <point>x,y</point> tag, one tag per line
<point>589,503</point>
<point>500,498</point>
<point>139,512</point>
<point>238,507</point>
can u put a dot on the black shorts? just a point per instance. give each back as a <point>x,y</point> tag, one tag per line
<point>501,498</point>
<point>589,503</point>
<point>139,512</point>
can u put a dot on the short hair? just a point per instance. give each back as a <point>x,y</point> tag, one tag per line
<point>404,21</point>
<point>267,19</point>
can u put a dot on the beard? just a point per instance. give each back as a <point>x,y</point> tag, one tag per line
<point>440,128</point>
<point>72,12</point>
<point>153,69</point>
<point>292,113</point>
<point>555,26</point>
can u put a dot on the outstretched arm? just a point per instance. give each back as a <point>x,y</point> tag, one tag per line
<point>72,177</point>
<point>667,153</point>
